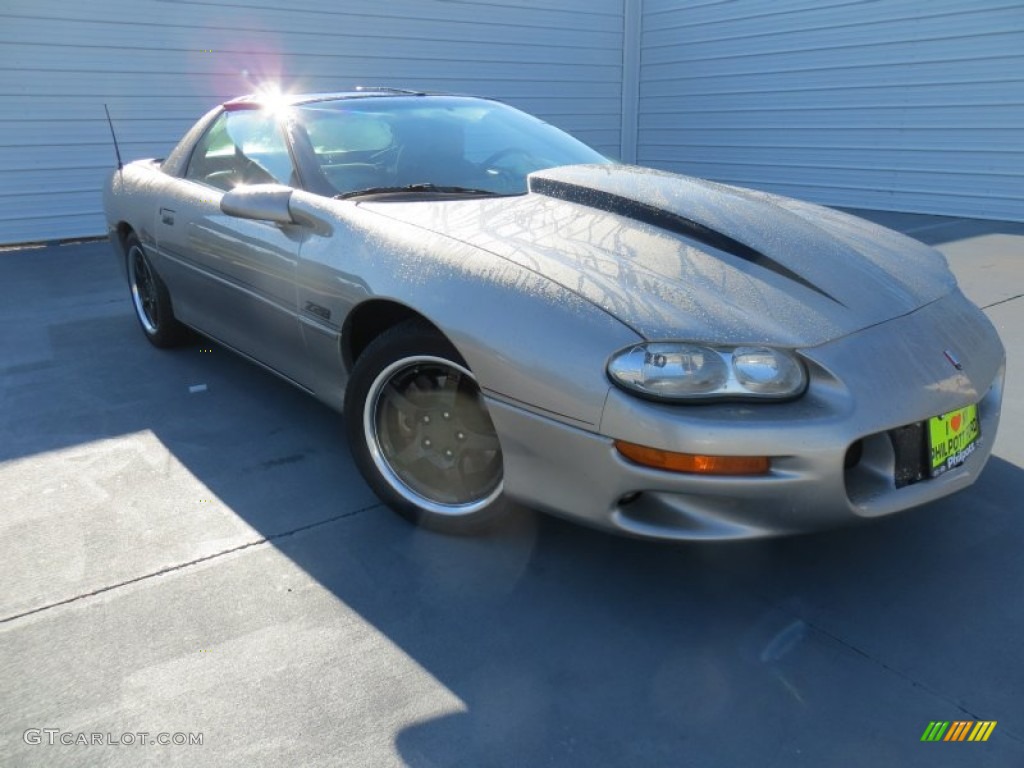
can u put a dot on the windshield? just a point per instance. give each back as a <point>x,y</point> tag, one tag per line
<point>456,143</point>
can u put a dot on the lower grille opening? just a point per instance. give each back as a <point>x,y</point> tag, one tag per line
<point>853,455</point>
<point>886,461</point>
<point>909,444</point>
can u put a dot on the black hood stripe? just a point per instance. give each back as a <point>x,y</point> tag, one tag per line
<point>672,222</point>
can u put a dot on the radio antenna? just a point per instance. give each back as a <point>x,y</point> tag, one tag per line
<point>117,150</point>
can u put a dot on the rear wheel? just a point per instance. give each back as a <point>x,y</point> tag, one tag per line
<point>420,432</point>
<point>150,298</point>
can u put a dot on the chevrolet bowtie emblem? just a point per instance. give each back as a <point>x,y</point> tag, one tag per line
<point>953,360</point>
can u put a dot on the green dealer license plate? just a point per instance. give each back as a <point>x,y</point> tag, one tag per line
<point>952,437</point>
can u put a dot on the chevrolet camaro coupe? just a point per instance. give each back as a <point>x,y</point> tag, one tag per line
<point>504,316</point>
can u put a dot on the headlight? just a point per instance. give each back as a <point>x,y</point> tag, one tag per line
<point>683,371</point>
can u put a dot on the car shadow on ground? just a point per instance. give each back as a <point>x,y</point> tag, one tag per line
<point>952,230</point>
<point>573,645</point>
<point>565,645</point>
<point>938,230</point>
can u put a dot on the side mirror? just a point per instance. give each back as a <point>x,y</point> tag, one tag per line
<point>263,202</point>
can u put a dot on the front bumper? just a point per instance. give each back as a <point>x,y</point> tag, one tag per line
<point>862,386</point>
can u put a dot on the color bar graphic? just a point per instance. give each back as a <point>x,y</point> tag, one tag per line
<point>958,730</point>
<point>983,730</point>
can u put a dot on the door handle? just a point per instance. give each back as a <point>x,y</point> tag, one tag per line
<point>167,216</point>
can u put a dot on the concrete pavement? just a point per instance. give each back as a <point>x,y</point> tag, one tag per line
<point>209,562</point>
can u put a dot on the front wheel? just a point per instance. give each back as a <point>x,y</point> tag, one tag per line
<point>150,298</point>
<point>420,432</point>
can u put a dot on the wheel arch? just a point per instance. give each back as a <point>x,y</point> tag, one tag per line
<point>123,230</point>
<point>120,239</point>
<point>369,320</point>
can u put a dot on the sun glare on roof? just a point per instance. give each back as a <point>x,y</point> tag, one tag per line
<point>273,98</point>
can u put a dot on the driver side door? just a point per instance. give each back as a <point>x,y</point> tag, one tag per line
<point>235,277</point>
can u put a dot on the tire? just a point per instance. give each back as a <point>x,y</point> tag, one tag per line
<point>150,299</point>
<point>420,433</point>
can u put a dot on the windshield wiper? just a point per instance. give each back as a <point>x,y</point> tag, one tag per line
<point>425,187</point>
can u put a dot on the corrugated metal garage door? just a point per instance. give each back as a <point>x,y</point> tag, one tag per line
<point>894,104</point>
<point>160,64</point>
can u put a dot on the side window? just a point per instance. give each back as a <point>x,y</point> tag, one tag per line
<point>244,147</point>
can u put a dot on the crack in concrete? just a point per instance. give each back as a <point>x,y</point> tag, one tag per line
<point>188,564</point>
<point>931,225</point>
<point>1003,301</point>
<point>892,670</point>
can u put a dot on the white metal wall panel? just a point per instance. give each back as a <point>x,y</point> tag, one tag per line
<point>159,64</point>
<point>890,104</point>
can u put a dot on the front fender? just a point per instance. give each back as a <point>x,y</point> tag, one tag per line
<point>529,341</point>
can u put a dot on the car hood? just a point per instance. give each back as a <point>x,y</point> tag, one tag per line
<point>675,257</point>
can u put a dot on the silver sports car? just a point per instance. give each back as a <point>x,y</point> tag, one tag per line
<point>504,315</point>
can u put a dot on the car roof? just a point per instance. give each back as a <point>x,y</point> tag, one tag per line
<point>259,100</point>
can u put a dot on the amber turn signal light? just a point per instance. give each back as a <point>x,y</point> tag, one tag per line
<point>693,463</point>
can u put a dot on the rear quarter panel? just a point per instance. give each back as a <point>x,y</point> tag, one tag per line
<point>131,197</point>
